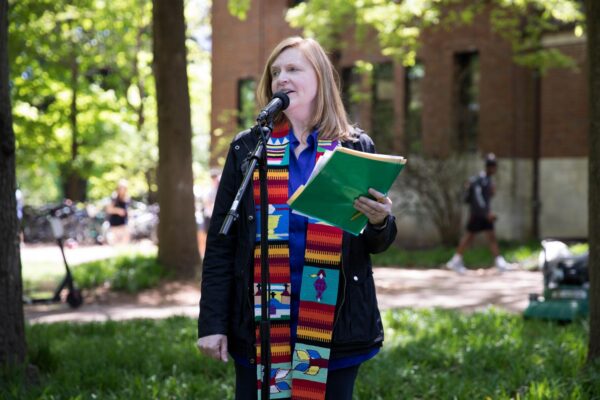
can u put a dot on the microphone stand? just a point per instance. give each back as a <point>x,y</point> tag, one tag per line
<point>258,157</point>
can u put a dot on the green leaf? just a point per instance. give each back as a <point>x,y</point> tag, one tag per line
<point>239,8</point>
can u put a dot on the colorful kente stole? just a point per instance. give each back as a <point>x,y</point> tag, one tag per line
<point>302,375</point>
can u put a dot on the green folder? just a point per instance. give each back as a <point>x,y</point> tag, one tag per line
<point>338,179</point>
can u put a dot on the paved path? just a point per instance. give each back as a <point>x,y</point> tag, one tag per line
<point>396,288</point>
<point>472,291</point>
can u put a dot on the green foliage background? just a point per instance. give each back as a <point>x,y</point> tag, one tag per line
<point>398,25</point>
<point>109,46</point>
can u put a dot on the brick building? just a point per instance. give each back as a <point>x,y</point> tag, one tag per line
<point>465,94</point>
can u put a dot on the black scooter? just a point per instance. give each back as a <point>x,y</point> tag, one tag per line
<point>74,296</point>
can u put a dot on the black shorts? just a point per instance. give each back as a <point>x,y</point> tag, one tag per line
<point>479,224</point>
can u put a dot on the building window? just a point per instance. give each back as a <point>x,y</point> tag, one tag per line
<point>382,111</point>
<point>246,102</point>
<point>466,101</point>
<point>413,103</point>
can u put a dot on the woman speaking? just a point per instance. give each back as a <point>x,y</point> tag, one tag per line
<point>322,305</point>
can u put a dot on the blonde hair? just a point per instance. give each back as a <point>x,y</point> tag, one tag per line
<point>330,116</point>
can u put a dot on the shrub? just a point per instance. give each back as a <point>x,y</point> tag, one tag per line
<point>130,273</point>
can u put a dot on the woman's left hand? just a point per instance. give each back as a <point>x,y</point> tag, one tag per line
<point>375,210</point>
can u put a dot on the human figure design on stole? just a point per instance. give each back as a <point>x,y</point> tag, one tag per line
<point>320,284</point>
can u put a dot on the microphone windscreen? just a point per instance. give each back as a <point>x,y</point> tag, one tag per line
<point>285,100</point>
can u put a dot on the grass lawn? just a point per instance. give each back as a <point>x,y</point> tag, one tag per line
<point>44,263</point>
<point>129,269</point>
<point>428,354</point>
<point>524,254</point>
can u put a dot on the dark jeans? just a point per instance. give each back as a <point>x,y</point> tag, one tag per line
<point>340,383</point>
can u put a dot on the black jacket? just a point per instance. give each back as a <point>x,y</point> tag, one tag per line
<point>226,304</point>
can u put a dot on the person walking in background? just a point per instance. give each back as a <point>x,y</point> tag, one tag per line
<point>205,203</point>
<point>319,274</point>
<point>478,196</point>
<point>210,196</point>
<point>200,228</point>
<point>20,204</point>
<point>118,231</point>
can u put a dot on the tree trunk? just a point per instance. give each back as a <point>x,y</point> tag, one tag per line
<point>177,248</point>
<point>593,42</point>
<point>75,186</point>
<point>12,328</point>
<point>150,175</point>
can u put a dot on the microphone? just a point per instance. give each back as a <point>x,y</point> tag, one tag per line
<point>280,102</point>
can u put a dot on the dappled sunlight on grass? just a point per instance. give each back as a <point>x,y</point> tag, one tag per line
<point>428,354</point>
<point>489,354</point>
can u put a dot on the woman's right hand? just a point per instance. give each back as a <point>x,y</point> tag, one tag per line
<point>214,346</point>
